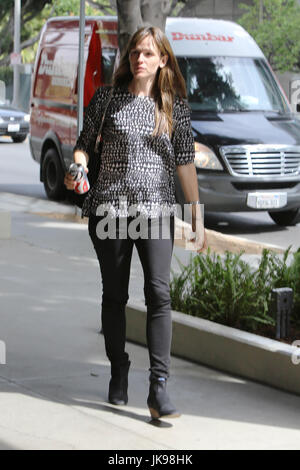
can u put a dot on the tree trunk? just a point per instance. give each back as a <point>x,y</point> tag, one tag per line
<point>130,20</point>
<point>190,7</point>
<point>155,12</point>
<point>133,14</point>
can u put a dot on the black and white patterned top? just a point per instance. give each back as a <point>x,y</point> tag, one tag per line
<point>137,169</point>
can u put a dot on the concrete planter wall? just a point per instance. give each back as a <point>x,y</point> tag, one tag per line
<point>228,349</point>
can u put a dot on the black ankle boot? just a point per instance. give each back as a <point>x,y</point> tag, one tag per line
<point>118,384</point>
<point>158,400</point>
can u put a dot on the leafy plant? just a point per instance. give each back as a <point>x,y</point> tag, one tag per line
<point>232,293</point>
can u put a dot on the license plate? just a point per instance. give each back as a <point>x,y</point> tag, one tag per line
<point>13,127</point>
<point>267,200</point>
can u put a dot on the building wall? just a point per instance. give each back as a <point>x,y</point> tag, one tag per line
<point>222,9</point>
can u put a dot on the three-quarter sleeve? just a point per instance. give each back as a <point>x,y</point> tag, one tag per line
<point>183,139</point>
<point>91,121</point>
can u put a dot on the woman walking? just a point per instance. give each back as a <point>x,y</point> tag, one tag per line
<point>146,136</point>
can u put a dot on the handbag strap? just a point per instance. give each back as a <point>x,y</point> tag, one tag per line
<point>102,120</point>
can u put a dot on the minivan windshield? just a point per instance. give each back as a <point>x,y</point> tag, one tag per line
<point>229,84</point>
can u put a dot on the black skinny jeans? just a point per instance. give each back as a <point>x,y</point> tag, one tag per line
<point>114,257</point>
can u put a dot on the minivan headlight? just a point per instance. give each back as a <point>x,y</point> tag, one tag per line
<point>1,120</point>
<point>27,118</point>
<point>205,158</point>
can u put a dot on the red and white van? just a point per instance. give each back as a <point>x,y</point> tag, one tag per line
<point>54,95</point>
<point>247,140</point>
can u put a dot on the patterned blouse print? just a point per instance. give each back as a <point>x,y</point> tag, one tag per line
<point>137,169</point>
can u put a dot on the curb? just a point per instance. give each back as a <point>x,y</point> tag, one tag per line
<point>220,242</point>
<point>220,347</point>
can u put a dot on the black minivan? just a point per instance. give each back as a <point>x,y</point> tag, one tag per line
<point>247,139</point>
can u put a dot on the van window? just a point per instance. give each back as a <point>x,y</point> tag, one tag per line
<point>107,64</point>
<point>228,84</point>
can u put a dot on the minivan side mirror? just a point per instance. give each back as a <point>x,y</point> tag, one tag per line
<point>298,108</point>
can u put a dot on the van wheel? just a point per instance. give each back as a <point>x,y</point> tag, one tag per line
<point>285,218</point>
<point>53,176</point>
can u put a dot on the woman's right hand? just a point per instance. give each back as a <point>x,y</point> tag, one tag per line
<point>69,182</point>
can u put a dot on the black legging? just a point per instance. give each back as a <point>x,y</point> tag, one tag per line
<point>114,257</point>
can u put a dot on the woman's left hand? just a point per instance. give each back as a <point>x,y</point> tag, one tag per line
<point>199,237</point>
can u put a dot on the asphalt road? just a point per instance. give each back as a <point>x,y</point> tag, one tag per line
<point>19,174</point>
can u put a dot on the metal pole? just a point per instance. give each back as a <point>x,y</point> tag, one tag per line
<point>80,84</point>
<point>17,50</point>
<point>281,307</point>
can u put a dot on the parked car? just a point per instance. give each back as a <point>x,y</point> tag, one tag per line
<point>13,122</point>
<point>247,139</point>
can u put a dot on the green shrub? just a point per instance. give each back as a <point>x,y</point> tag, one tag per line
<point>232,293</point>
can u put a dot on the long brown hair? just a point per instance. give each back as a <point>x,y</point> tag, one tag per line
<point>168,83</point>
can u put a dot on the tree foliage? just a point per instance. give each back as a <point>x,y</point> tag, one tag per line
<point>29,10</point>
<point>277,32</point>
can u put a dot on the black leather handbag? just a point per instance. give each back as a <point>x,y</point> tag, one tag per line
<point>94,162</point>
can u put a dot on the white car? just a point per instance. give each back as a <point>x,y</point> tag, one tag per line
<point>13,122</point>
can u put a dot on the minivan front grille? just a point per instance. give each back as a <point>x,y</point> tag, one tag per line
<point>262,160</point>
<point>12,120</point>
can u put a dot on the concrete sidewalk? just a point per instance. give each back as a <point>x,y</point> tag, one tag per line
<point>54,384</point>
